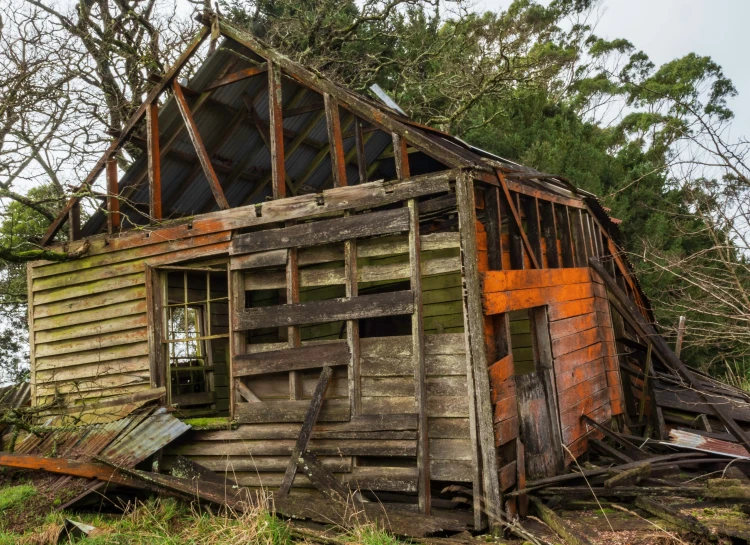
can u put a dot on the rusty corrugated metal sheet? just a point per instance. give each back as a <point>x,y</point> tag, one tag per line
<point>154,433</point>
<point>701,443</point>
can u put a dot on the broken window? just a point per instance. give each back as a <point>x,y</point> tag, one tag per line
<point>196,317</point>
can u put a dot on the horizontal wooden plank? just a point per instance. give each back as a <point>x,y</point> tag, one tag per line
<point>92,383</point>
<point>498,302</point>
<point>571,360</point>
<point>373,247</point>
<point>101,256</point>
<point>91,303</point>
<point>577,374</point>
<point>600,414</point>
<point>571,417</point>
<point>570,326</point>
<point>120,309</point>
<point>316,312</point>
<point>574,394</point>
<point>104,340</point>
<point>291,359</point>
<point>323,231</point>
<point>506,431</point>
<point>361,196</point>
<point>264,280</point>
<point>404,386</point>
<point>103,359</point>
<point>107,323</point>
<point>84,290</point>
<point>291,411</point>
<point>569,309</point>
<point>435,365</point>
<point>450,449</point>
<point>319,447</point>
<point>452,470</point>
<point>507,475</point>
<point>448,428</point>
<point>501,281</point>
<point>577,341</point>
<point>456,406</point>
<point>260,464</point>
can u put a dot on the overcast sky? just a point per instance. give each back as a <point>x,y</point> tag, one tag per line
<point>668,29</point>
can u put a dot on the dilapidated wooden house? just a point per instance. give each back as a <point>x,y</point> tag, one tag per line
<point>304,269</point>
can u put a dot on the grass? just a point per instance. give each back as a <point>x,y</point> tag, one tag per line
<point>165,521</point>
<point>13,495</point>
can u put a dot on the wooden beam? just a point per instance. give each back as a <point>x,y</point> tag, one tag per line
<point>346,99</point>
<point>335,142</point>
<point>394,303</point>
<point>276,128</point>
<point>200,150</point>
<point>400,156</point>
<point>291,359</point>
<point>294,338</point>
<point>680,336</point>
<point>237,76</point>
<point>113,198</point>
<point>304,435</point>
<point>517,219</point>
<point>129,126</point>
<point>420,373</point>
<point>475,347</point>
<point>665,353</point>
<point>359,145</point>
<point>154,161</point>
<point>323,232</point>
<point>74,221</point>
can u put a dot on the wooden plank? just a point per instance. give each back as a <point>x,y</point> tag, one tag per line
<point>166,80</point>
<point>634,317</point>
<point>348,100</point>
<point>549,232</point>
<point>294,336</point>
<point>475,347</point>
<point>333,310</point>
<point>237,76</point>
<point>311,416</point>
<point>500,281</point>
<point>200,149</point>
<point>196,398</point>
<point>499,302</point>
<point>291,359</point>
<point>418,353</point>
<point>569,309</point>
<point>352,327</point>
<point>113,197</point>
<point>290,411</point>
<point>322,478</point>
<point>154,161</point>
<point>323,232</point>
<point>340,199</point>
<point>125,308</point>
<point>359,145</point>
<point>275,121</point>
<point>107,325</point>
<point>336,143</point>
<point>566,238</point>
<point>517,219</point>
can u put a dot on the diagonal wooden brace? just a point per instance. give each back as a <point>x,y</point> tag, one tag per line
<point>304,435</point>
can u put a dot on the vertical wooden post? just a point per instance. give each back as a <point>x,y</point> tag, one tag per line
<point>475,346</point>
<point>293,332</point>
<point>680,336</point>
<point>533,227</point>
<point>549,231</point>
<point>237,338</point>
<point>566,239</point>
<point>420,375</point>
<point>74,221</point>
<point>359,143</point>
<point>276,131</point>
<point>335,141</point>
<point>113,197</point>
<point>154,161</point>
<point>401,157</point>
<point>352,328</point>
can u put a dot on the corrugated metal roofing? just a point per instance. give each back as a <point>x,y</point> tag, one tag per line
<point>15,396</point>
<point>185,190</point>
